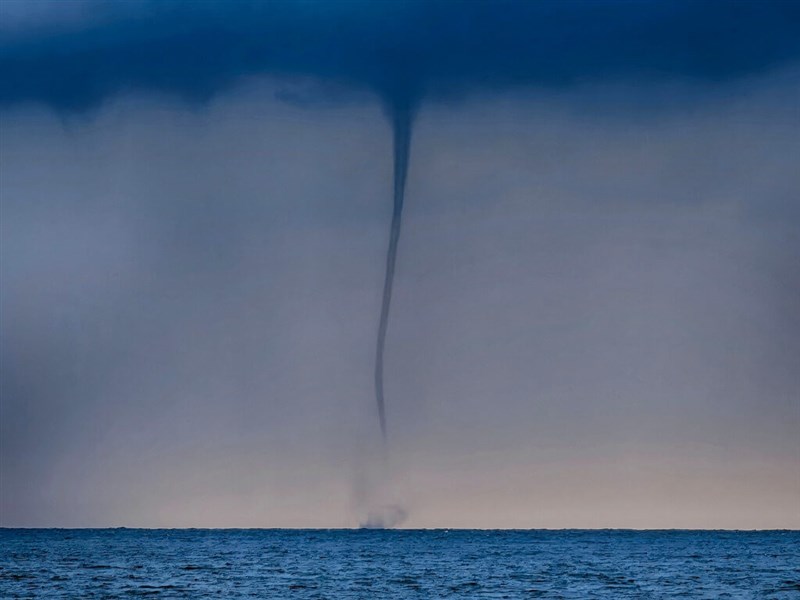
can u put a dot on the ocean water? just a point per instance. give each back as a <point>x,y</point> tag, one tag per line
<point>343,564</point>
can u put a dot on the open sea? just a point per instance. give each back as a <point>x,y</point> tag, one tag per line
<point>343,564</point>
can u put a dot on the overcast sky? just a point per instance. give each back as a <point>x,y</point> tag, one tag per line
<point>596,319</point>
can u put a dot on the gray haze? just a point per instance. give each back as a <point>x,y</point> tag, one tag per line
<point>595,320</point>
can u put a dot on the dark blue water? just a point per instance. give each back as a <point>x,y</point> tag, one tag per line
<point>341,564</point>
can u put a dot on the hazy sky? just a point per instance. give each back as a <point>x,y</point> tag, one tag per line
<point>596,320</point>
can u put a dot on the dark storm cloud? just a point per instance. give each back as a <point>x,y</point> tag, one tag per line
<point>401,50</point>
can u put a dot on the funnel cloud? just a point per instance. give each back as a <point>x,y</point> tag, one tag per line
<point>402,121</point>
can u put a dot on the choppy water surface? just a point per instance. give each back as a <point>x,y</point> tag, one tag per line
<point>345,564</point>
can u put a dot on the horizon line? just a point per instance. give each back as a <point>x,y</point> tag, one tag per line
<point>547,529</point>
